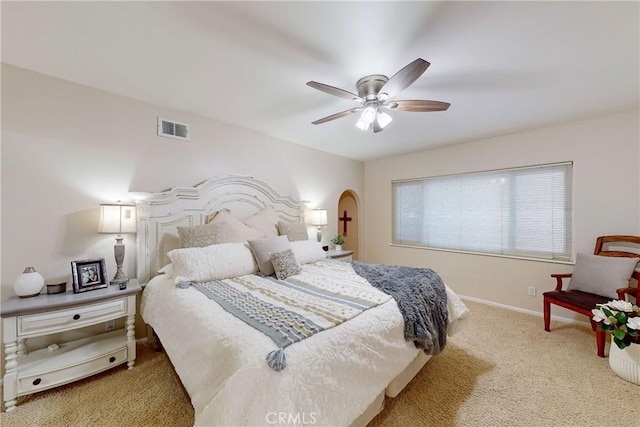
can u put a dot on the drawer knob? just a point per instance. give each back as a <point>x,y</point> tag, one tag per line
<point>112,359</point>
<point>76,316</point>
<point>37,381</point>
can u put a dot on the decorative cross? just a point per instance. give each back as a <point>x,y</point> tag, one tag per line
<point>346,219</point>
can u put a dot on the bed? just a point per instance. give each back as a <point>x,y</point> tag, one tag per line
<point>337,377</point>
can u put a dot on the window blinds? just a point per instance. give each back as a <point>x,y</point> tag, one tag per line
<point>523,212</point>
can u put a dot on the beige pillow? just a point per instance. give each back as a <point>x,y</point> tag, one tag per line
<point>601,275</point>
<point>200,236</point>
<point>263,248</point>
<point>265,221</point>
<point>235,231</point>
<point>293,230</point>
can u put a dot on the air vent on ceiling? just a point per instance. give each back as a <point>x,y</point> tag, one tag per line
<point>171,129</point>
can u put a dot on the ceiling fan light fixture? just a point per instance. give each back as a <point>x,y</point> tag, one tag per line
<point>368,115</point>
<point>362,125</point>
<point>383,119</point>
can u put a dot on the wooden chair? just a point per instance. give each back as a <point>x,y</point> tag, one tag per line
<point>583,302</point>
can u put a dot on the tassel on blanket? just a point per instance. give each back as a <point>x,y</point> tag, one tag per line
<point>183,284</point>
<point>276,359</point>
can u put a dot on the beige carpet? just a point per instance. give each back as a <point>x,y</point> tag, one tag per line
<point>502,370</point>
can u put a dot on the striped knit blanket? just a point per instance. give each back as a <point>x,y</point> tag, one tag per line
<point>291,310</point>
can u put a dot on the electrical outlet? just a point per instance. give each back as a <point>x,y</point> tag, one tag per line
<point>109,325</point>
<point>532,291</point>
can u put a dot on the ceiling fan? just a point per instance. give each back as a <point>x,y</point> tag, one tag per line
<point>374,93</point>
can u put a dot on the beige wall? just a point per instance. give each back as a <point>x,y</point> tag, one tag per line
<point>66,148</point>
<point>605,152</point>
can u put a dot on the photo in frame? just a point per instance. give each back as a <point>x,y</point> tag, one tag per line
<point>89,274</point>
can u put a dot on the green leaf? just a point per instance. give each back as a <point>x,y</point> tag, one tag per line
<point>620,343</point>
<point>619,334</point>
<point>621,318</point>
<point>607,312</point>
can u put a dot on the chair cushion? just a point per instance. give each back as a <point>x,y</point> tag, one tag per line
<point>583,300</point>
<point>601,275</point>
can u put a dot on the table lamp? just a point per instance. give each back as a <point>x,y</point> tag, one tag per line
<point>118,219</point>
<point>318,218</point>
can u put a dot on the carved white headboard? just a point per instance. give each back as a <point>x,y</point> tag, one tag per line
<point>159,214</point>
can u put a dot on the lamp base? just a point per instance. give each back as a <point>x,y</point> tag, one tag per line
<point>118,250</point>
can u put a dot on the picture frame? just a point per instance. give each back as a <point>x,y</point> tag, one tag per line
<point>89,274</point>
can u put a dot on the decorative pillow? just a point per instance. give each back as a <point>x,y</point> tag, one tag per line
<point>262,248</point>
<point>285,264</point>
<point>307,251</point>
<point>293,230</point>
<point>235,230</point>
<point>601,275</point>
<point>200,236</point>
<point>213,262</point>
<point>265,221</point>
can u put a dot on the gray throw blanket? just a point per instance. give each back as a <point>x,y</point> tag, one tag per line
<point>421,297</point>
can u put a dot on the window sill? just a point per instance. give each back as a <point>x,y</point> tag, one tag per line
<point>551,261</point>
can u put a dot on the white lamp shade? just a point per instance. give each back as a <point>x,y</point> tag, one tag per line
<point>318,217</point>
<point>362,125</point>
<point>383,119</point>
<point>120,219</point>
<point>368,115</point>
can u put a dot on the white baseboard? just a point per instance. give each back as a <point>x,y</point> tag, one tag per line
<point>522,310</point>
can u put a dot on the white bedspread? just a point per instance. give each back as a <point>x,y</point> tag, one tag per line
<point>330,379</point>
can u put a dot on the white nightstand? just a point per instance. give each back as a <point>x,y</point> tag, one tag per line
<point>345,255</point>
<point>38,370</point>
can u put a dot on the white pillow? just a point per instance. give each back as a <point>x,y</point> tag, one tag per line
<point>235,231</point>
<point>601,275</point>
<point>213,262</point>
<point>263,248</point>
<point>265,221</point>
<point>307,251</point>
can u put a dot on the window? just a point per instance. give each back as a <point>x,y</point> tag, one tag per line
<point>522,212</point>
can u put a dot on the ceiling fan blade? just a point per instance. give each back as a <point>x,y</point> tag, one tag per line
<point>418,105</point>
<point>335,91</point>
<point>403,78</point>
<point>336,116</point>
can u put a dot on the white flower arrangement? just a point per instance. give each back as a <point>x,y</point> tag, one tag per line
<point>621,318</point>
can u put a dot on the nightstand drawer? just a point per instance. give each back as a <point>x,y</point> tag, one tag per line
<point>38,382</point>
<point>71,318</point>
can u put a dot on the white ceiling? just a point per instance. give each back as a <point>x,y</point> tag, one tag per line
<point>505,67</point>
